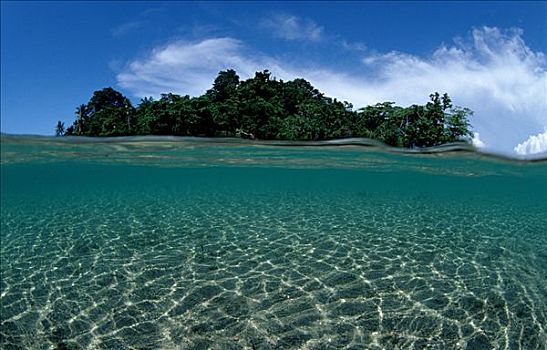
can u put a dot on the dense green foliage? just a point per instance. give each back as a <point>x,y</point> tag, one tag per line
<point>266,108</point>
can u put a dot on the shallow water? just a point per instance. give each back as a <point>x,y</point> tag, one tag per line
<point>180,243</point>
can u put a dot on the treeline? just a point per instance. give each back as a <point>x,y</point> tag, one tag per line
<point>263,107</point>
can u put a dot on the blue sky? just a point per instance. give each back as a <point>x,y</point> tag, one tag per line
<point>489,56</point>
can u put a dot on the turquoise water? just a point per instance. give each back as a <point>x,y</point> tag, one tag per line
<point>187,244</point>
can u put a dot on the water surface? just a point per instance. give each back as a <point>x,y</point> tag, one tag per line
<point>168,243</point>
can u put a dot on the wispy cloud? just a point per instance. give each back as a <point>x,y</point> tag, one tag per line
<point>152,10</point>
<point>190,67</point>
<point>353,46</point>
<point>183,67</point>
<point>493,72</point>
<point>125,28</point>
<point>291,27</point>
<point>139,22</point>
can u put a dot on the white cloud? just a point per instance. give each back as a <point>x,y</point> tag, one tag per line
<point>138,23</point>
<point>533,145</point>
<point>190,67</point>
<point>494,73</point>
<point>353,46</point>
<point>293,28</point>
<point>125,28</point>
<point>183,67</point>
<point>476,141</point>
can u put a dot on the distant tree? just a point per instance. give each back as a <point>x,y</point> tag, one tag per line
<point>457,127</point>
<point>108,113</point>
<point>175,115</point>
<point>267,108</point>
<point>81,118</point>
<point>377,122</point>
<point>414,126</point>
<point>145,117</point>
<point>203,123</point>
<point>60,129</point>
<point>106,98</point>
<point>224,86</point>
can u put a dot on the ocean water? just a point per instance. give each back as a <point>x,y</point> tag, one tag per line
<point>170,243</point>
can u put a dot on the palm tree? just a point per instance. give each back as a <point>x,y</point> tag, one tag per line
<point>128,110</point>
<point>81,113</point>
<point>60,128</point>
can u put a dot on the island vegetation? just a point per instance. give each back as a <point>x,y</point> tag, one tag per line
<point>265,108</point>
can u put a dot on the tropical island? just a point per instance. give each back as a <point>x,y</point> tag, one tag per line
<point>265,108</point>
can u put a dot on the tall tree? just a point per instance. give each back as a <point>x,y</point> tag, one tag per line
<point>81,117</point>
<point>224,86</point>
<point>108,113</point>
<point>60,129</point>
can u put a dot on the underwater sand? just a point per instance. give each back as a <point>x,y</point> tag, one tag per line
<point>183,244</point>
